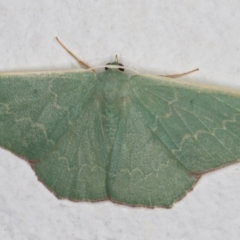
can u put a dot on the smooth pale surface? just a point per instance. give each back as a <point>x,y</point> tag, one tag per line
<point>164,37</point>
<point>134,139</point>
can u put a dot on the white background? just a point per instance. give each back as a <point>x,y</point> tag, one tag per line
<point>163,37</point>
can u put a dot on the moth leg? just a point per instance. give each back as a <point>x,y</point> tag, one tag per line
<point>180,74</point>
<point>75,57</point>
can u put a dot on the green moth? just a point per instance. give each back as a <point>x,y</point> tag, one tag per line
<point>134,139</point>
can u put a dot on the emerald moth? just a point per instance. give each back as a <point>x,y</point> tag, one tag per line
<point>134,139</point>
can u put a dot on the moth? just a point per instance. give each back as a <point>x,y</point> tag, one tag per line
<point>134,139</point>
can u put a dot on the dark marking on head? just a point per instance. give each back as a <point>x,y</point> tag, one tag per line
<point>116,64</point>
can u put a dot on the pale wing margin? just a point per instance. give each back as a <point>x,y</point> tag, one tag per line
<point>200,125</point>
<point>53,120</point>
<point>143,171</point>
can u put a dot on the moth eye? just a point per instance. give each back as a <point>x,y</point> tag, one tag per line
<point>121,69</point>
<point>106,68</point>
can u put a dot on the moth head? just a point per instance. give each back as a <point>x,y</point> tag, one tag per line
<point>115,63</point>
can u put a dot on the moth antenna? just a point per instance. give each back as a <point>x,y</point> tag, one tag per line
<point>180,74</point>
<point>74,56</point>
